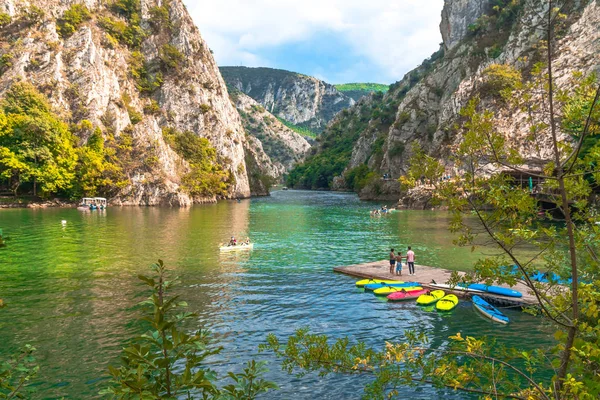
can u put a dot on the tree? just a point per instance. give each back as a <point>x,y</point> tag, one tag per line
<point>35,145</point>
<point>567,120</point>
<point>166,362</point>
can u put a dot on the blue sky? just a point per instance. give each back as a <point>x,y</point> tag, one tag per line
<point>338,41</point>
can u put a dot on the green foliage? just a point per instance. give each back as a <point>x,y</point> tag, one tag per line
<point>33,15</point>
<point>358,177</point>
<point>153,108</point>
<point>204,108</point>
<point>300,130</point>
<point>130,31</point>
<point>206,177</point>
<point>364,87</point>
<point>98,170</point>
<point>167,362</point>
<point>358,90</point>
<point>566,249</point>
<point>72,19</point>
<point>500,80</point>
<point>134,115</point>
<point>5,19</point>
<point>146,81</point>
<point>396,150</point>
<point>334,152</point>
<point>577,111</point>
<point>17,372</point>
<point>35,146</point>
<point>171,58</point>
<point>126,33</point>
<point>159,17</point>
<point>467,364</point>
<point>5,62</point>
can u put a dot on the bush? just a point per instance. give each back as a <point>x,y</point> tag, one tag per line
<point>159,17</point>
<point>169,361</point>
<point>204,108</point>
<point>5,62</point>
<point>153,108</point>
<point>128,34</point>
<point>358,177</point>
<point>171,57</point>
<point>72,19</point>
<point>206,177</point>
<point>134,115</point>
<point>34,15</point>
<point>5,19</point>
<point>396,150</point>
<point>146,82</point>
<point>500,80</point>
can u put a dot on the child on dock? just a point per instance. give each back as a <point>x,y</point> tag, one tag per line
<point>399,263</point>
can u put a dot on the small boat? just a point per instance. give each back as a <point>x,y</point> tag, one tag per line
<point>488,310</point>
<point>93,203</point>
<point>364,282</point>
<point>237,247</point>
<point>431,297</point>
<point>384,291</point>
<point>375,286</point>
<point>457,287</point>
<point>284,188</point>
<point>406,295</point>
<point>447,303</point>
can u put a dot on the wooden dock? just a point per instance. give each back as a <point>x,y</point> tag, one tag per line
<point>425,275</point>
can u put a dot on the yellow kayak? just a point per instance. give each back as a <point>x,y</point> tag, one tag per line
<point>447,303</point>
<point>384,291</point>
<point>430,298</point>
<point>369,281</point>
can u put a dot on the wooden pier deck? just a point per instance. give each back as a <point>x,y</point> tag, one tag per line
<point>424,275</point>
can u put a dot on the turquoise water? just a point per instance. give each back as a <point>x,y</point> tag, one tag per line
<point>70,290</point>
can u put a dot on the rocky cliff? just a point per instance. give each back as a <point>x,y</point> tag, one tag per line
<point>302,100</point>
<point>130,67</point>
<point>275,149</point>
<point>424,106</point>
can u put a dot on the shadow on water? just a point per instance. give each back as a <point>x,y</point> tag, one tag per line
<point>71,289</point>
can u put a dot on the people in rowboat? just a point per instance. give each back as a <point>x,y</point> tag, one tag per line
<point>232,241</point>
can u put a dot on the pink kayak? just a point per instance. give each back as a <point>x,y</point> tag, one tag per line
<point>404,295</point>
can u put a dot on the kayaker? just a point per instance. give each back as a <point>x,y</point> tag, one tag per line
<point>399,263</point>
<point>410,260</point>
<point>392,261</point>
<point>247,241</point>
<point>232,241</point>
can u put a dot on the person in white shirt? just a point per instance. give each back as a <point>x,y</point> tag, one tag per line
<point>410,260</point>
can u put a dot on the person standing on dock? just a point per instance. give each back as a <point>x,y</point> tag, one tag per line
<point>392,261</point>
<point>399,263</point>
<point>410,260</point>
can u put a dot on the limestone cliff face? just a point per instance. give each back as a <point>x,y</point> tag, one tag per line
<point>457,15</point>
<point>89,75</point>
<point>299,99</point>
<point>283,147</point>
<point>427,101</point>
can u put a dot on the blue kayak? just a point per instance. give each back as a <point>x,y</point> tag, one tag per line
<point>488,310</point>
<point>374,286</point>
<point>495,290</point>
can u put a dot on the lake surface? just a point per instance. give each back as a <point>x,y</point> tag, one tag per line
<point>70,290</point>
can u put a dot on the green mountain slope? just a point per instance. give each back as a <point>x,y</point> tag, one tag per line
<point>358,90</point>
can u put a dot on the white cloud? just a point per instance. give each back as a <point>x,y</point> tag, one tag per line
<point>393,35</point>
